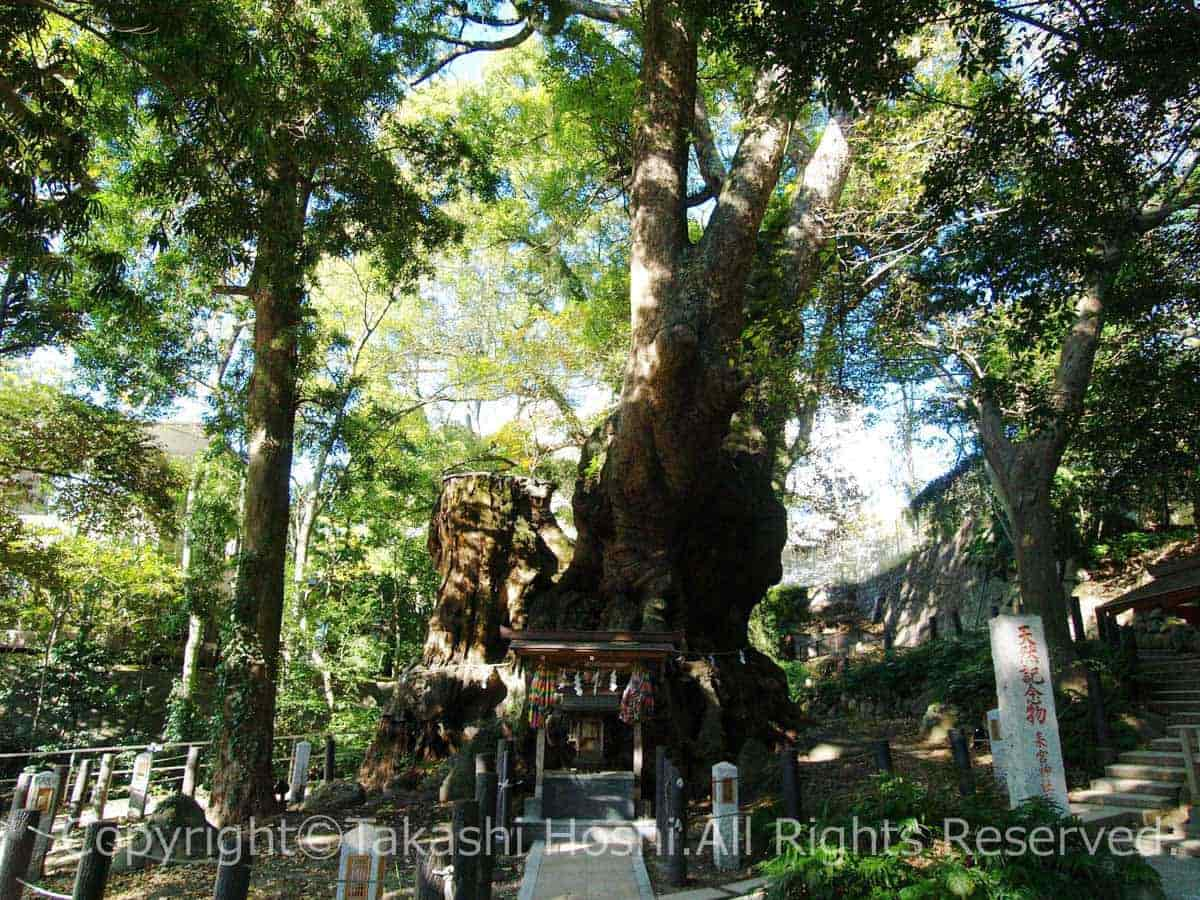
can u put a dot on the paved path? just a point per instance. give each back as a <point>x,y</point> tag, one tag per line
<point>604,864</point>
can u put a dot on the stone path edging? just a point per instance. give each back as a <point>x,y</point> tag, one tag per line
<point>745,888</point>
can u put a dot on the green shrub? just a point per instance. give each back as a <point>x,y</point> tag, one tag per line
<point>923,861</point>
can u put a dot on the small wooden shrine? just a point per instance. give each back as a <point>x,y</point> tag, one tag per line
<point>591,694</point>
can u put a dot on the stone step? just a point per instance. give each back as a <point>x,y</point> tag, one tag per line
<point>1171,705</point>
<point>1184,718</point>
<point>1171,695</point>
<point>1126,801</point>
<point>1174,667</point>
<point>1110,785</point>
<point>1176,726</point>
<point>1169,743</point>
<point>1168,774</point>
<point>1152,758</point>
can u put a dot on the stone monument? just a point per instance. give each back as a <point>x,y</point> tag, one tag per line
<point>1028,722</point>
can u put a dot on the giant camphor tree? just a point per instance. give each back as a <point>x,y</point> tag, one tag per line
<point>678,522</point>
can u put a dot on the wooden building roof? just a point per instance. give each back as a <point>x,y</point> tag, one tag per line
<point>603,648</point>
<point>1175,582</point>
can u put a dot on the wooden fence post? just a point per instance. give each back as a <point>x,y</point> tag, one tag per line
<point>330,772</point>
<point>103,782</point>
<point>464,823</point>
<point>660,796</point>
<point>430,868</point>
<point>881,751</point>
<point>676,828</point>
<point>504,773</point>
<point>17,852</point>
<point>99,842</point>
<point>485,797</point>
<point>962,759</point>
<point>233,871</point>
<point>20,793</point>
<point>191,772</point>
<point>78,792</point>
<point>790,783</point>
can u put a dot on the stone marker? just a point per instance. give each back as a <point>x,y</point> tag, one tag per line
<point>139,784</point>
<point>999,748</point>
<point>298,779</point>
<point>1034,766</point>
<point>362,865</point>
<point>726,850</point>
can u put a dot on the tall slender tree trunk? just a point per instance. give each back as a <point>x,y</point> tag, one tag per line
<point>1023,469</point>
<point>243,782</point>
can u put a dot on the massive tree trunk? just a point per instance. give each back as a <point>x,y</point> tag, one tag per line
<point>678,527</point>
<point>494,543</point>
<point>243,782</point>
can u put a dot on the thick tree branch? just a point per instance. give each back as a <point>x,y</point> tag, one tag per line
<point>468,47</point>
<point>708,158</point>
<point>727,247</point>
<point>816,200</point>
<point>602,12</point>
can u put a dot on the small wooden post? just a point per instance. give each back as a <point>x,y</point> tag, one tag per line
<point>431,882</point>
<point>103,782</point>
<point>330,772</point>
<point>962,759</point>
<point>540,762</point>
<point>99,842</point>
<point>191,772</point>
<point>464,833</point>
<point>233,871</point>
<point>660,796</point>
<point>504,774</point>
<point>1099,718</point>
<point>956,621</point>
<point>676,829</point>
<point>16,853</point>
<point>881,752</point>
<point>20,792</point>
<point>78,790</point>
<point>485,797</point>
<point>790,783</point>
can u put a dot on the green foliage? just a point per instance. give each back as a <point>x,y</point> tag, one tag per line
<point>1124,547</point>
<point>955,671</point>
<point>927,857</point>
<point>98,466</point>
<point>780,612</point>
<point>73,684</point>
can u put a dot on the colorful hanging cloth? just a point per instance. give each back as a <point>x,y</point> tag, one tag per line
<point>637,701</point>
<point>543,694</point>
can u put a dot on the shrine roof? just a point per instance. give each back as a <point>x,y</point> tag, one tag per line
<point>1175,582</point>
<point>606,646</point>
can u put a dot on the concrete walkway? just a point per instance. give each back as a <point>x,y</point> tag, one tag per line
<point>604,863</point>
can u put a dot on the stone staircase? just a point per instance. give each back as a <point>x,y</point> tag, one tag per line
<point>1144,786</point>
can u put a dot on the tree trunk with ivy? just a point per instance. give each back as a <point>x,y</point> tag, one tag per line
<point>243,783</point>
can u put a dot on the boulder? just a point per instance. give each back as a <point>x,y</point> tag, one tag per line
<point>175,831</point>
<point>329,796</point>
<point>939,718</point>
